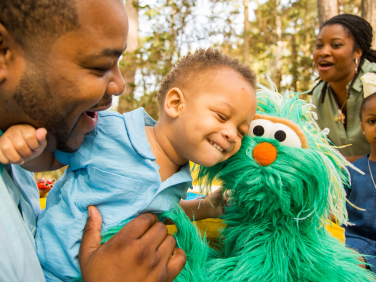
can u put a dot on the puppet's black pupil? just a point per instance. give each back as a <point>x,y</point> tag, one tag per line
<point>280,135</point>
<point>258,130</point>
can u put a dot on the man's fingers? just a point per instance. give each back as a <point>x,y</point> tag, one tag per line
<point>176,263</point>
<point>156,235</point>
<point>138,226</point>
<point>167,248</point>
<point>91,238</point>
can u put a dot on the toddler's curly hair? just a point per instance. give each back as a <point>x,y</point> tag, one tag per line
<point>202,60</point>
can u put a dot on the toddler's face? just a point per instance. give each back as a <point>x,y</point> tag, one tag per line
<point>219,108</point>
<point>369,121</point>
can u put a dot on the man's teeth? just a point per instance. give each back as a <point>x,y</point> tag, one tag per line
<point>217,146</point>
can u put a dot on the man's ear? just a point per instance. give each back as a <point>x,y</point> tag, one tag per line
<point>5,52</point>
<point>174,102</point>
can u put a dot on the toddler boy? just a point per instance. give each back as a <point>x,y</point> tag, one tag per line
<point>130,164</point>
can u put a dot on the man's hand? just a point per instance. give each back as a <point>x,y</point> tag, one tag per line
<point>21,143</point>
<point>141,251</point>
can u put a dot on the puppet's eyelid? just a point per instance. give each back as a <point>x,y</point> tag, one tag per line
<point>286,136</point>
<point>260,128</point>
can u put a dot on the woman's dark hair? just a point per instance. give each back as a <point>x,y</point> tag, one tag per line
<point>361,32</point>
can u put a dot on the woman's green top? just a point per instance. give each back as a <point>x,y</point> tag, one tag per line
<point>329,108</point>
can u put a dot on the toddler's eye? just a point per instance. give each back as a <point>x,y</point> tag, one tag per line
<point>286,136</point>
<point>241,132</point>
<point>371,121</point>
<point>260,128</point>
<point>222,117</point>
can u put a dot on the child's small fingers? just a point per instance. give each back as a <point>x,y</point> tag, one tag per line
<point>41,134</point>
<point>11,153</point>
<point>3,159</point>
<point>29,136</point>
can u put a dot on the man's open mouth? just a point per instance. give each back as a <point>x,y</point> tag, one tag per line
<point>90,114</point>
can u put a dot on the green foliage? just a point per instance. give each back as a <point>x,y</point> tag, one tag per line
<point>169,29</point>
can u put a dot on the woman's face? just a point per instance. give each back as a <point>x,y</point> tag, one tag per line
<point>334,54</point>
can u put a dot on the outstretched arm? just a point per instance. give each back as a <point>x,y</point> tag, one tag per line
<point>24,145</point>
<point>212,206</point>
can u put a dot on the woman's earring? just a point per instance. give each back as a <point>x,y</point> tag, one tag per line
<point>356,65</point>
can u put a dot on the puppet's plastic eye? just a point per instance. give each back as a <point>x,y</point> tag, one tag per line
<point>260,127</point>
<point>285,135</point>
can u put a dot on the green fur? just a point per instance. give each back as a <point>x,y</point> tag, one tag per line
<point>275,222</point>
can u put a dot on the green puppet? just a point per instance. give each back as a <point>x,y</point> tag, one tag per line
<point>284,182</point>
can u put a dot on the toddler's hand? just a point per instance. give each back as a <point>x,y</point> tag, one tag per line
<point>215,203</point>
<point>21,143</point>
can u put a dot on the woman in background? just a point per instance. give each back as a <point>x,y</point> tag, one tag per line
<point>342,55</point>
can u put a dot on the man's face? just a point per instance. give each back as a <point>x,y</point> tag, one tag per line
<point>64,90</point>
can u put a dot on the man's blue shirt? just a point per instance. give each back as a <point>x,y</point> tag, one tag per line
<point>115,170</point>
<point>19,209</point>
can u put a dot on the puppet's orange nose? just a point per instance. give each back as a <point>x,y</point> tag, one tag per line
<point>265,153</point>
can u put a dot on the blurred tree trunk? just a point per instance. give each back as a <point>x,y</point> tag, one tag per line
<point>368,8</point>
<point>246,33</point>
<point>128,62</point>
<point>327,9</point>
<point>277,77</point>
<point>306,48</point>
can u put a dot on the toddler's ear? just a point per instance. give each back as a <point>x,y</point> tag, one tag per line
<point>174,102</point>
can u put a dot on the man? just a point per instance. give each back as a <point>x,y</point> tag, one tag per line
<point>58,67</point>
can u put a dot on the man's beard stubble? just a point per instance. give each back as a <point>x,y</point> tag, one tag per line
<point>34,97</point>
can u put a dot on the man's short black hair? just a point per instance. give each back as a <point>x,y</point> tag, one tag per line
<point>30,22</point>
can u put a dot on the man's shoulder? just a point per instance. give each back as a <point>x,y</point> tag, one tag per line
<point>17,246</point>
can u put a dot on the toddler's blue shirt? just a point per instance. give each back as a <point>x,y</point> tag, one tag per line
<point>115,170</point>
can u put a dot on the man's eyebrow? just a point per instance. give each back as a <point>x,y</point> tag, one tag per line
<point>108,52</point>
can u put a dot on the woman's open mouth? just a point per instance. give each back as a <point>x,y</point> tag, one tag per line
<point>325,66</point>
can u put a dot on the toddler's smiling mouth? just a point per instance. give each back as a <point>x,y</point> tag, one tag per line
<point>216,146</point>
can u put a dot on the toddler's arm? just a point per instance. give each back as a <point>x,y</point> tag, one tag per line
<point>24,145</point>
<point>212,206</point>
